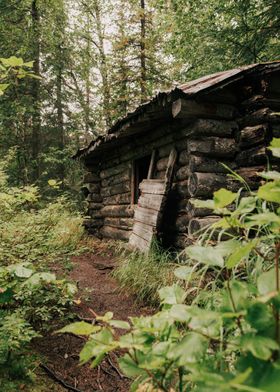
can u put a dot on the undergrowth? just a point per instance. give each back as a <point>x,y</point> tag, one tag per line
<point>144,274</point>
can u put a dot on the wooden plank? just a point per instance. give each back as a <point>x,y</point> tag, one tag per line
<point>132,183</point>
<point>147,216</point>
<point>152,164</point>
<point>152,187</point>
<point>144,231</point>
<point>139,243</point>
<point>150,201</point>
<point>170,166</point>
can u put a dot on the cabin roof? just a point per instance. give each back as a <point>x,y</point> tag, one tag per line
<point>132,124</point>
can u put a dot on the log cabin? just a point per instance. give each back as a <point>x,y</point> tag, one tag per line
<point>142,176</point>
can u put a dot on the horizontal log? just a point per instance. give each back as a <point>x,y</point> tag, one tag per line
<point>114,233</point>
<point>153,187</point>
<point>183,173</point>
<point>91,177</point>
<point>116,189</point>
<point>214,146</point>
<point>94,214</point>
<point>194,211</point>
<point>183,108</point>
<point>121,223</point>
<point>147,216</point>
<point>123,198</point>
<point>112,171</point>
<point>198,224</point>
<point>117,179</point>
<point>251,136</point>
<point>162,164</point>
<point>139,243</point>
<point>259,101</point>
<point>144,231</point>
<point>207,165</point>
<point>92,188</point>
<point>253,156</point>
<point>151,201</point>
<point>160,175</point>
<point>181,224</point>
<point>204,184</point>
<point>92,223</point>
<point>181,241</point>
<point>209,127</point>
<point>95,206</point>
<point>181,189</point>
<point>94,197</point>
<point>251,175</point>
<point>260,116</point>
<point>117,211</point>
<point>184,157</point>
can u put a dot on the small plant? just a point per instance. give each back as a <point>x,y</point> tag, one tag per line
<point>228,337</point>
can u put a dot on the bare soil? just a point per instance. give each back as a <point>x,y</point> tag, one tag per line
<point>99,292</point>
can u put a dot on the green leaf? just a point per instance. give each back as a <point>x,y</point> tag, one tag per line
<point>190,349</point>
<point>39,277</point>
<point>264,218</point>
<point>266,282</point>
<point>180,312</point>
<point>100,343</point>
<point>172,295</point>
<point>270,192</point>
<point>204,204</point>
<point>260,317</point>
<point>271,175</point>
<point>119,324</point>
<point>52,183</point>
<point>130,368</point>
<point>80,328</point>
<point>183,272</point>
<point>223,197</point>
<point>205,321</point>
<point>20,270</point>
<point>12,61</point>
<point>6,296</point>
<point>275,147</point>
<point>260,346</point>
<point>29,64</point>
<point>206,255</point>
<point>240,254</point>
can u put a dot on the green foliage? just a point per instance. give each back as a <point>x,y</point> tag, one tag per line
<point>227,338</point>
<point>144,274</point>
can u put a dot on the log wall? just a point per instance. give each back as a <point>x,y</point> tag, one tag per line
<point>231,132</point>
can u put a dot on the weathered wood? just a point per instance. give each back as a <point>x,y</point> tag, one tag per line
<point>93,223</point>
<point>251,136</point>
<point>182,223</point>
<point>152,164</point>
<point>144,231</point>
<point>170,167</point>
<point>183,173</point>
<point>94,214</point>
<point>123,198</point>
<point>160,175</point>
<point>116,179</point>
<point>164,151</point>
<point>181,241</point>
<point>204,184</point>
<point>152,187</point>
<point>251,175</point>
<point>207,165</point>
<point>115,189</point>
<point>209,127</point>
<point>91,177</point>
<point>150,201</point>
<point>214,146</point>
<point>253,156</point>
<point>162,164</point>
<point>112,171</point>
<point>95,206</point>
<point>117,211</point>
<point>93,188</point>
<point>184,157</point>
<point>181,189</point>
<point>259,101</point>
<point>197,224</point>
<point>147,216</point>
<point>139,243</point>
<point>194,211</point>
<point>94,197</point>
<point>115,233</point>
<point>183,108</point>
<point>121,223</point>
<point>260,116</point>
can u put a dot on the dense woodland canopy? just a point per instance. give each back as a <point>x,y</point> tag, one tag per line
<point>100,59</point>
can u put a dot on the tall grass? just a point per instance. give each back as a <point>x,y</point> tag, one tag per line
<point>144,274</point>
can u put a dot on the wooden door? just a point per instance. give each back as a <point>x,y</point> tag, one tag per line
<point>150,207</point>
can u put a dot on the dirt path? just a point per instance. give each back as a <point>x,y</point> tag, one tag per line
<point>100,292</point>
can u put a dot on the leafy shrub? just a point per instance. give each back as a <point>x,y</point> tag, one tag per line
<point>227,339</point>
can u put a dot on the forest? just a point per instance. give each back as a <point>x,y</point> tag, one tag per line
<point>78,313</point>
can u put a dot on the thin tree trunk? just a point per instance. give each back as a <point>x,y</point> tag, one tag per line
<point>143,71</point>
<point>36,114</point>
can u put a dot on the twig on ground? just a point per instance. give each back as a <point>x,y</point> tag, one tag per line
<point>98,379</point>
<point>114,367</point>
<point>57,379</point>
